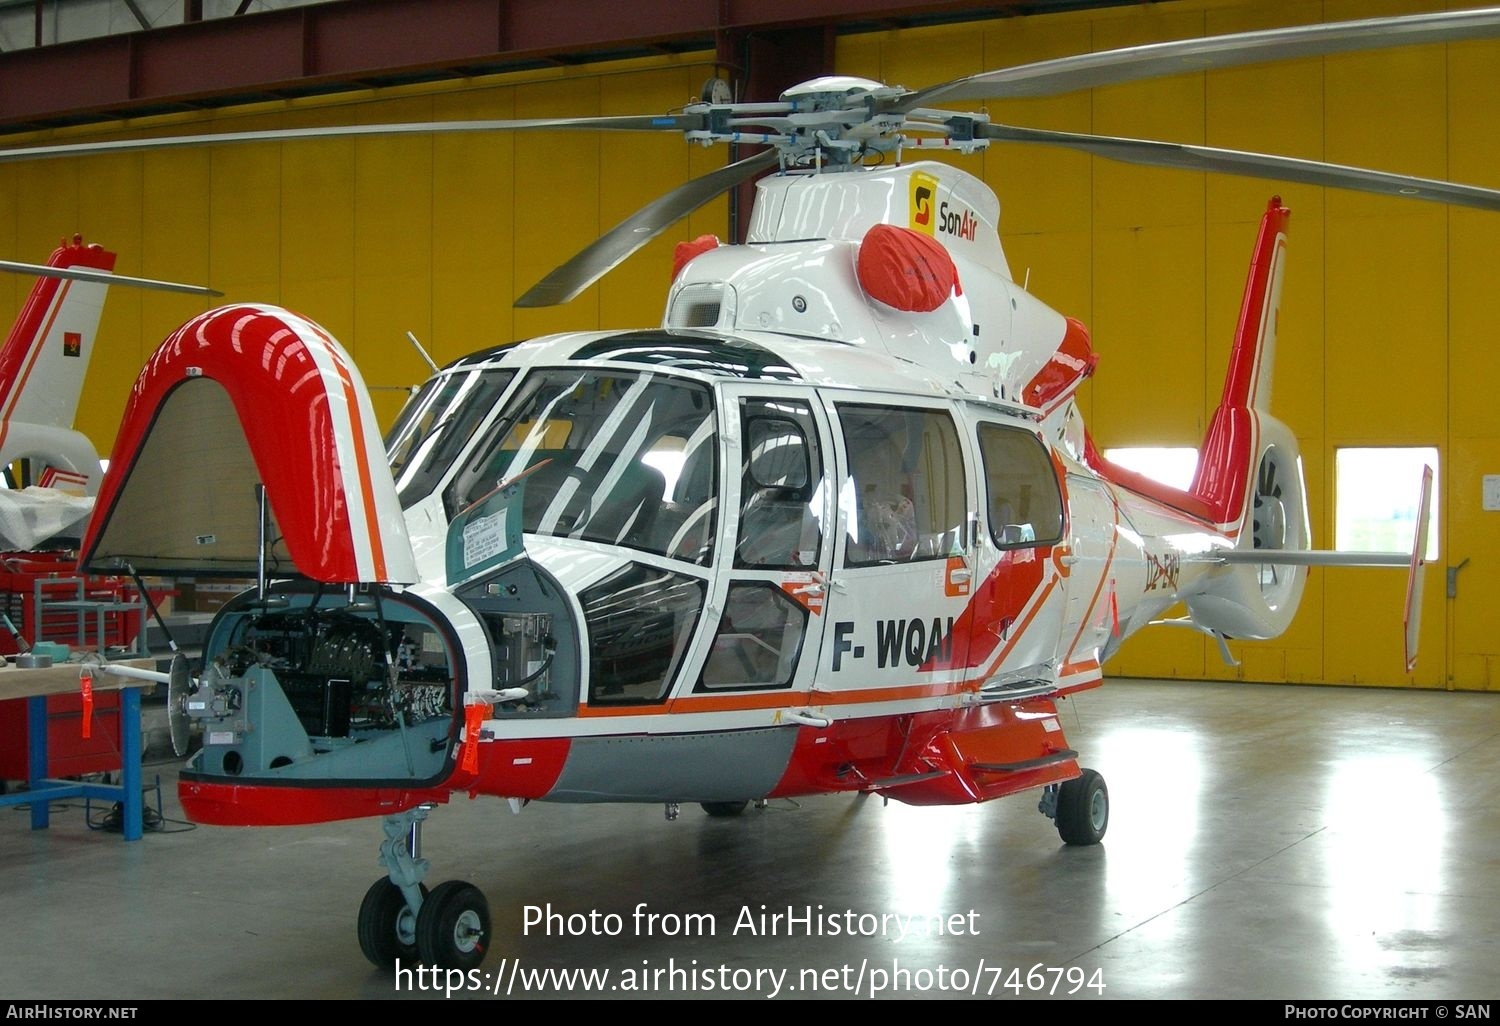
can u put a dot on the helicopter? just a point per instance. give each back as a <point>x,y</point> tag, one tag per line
<point>52,471</point>
<point>835,526</point>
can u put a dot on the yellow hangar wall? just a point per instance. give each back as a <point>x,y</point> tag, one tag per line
<point>1385,323</point>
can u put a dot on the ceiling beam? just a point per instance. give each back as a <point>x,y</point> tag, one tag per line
<point>319,47</point>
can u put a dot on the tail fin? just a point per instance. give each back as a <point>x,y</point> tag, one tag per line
<point>1222,479</point>
<point>1249,474</point>
<point>42,367</point>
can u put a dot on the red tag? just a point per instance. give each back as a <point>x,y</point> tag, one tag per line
<point>473,717</point>
<point>86,686</point>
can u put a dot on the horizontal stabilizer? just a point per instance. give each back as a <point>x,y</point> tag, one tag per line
<point>1311,557</point>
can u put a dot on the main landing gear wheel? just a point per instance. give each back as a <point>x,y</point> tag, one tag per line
<point>453,928</point>
<point>387,925</point>
<point>724,810</point>
<point>1083,809</point>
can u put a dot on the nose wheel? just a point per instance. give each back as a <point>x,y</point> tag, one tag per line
<point>399,919</point>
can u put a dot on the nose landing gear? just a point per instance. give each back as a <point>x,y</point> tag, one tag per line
<point>448,927</point>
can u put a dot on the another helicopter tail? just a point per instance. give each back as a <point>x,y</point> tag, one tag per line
<point>42,367</point>
<point>1249,476</point>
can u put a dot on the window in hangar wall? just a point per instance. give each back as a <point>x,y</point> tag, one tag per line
<point>1376,492</point>
<point>1171,465</point>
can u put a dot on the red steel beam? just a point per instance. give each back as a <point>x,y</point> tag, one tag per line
<point>359,42</point>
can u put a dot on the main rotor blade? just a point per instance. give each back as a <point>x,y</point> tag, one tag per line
<point>1260,165</point>
<point>83,274</point>
<point>615,245</point>
<point>646,123</point>
<point>1155,60</point>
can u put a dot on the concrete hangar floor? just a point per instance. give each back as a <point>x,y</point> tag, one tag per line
<point>1265,842</point>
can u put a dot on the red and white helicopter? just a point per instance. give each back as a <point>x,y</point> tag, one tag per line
<point>835,525</point>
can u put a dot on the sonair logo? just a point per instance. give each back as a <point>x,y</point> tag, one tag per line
<point>923,189</point>
<point>912,642</point>
<point>960,222</point>
<point>72,344</point>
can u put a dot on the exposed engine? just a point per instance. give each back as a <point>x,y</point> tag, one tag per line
<point>313,685</point>
<point>343,672</point>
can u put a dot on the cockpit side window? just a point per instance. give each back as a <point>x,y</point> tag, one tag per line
<point>436,424</point>
<point>781,486</point>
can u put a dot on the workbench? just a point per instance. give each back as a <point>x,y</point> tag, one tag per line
<point>63,678</point>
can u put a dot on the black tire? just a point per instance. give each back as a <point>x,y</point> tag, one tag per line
<point>725,810</point>
<point>387,929</point>
<point>1083,809</point>
<point>453,929</point>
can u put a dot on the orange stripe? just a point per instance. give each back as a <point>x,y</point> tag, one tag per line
<point>975,682</point>
<point>1114,541</point>
<point>362,463</point>
<point>777,700</point>
<point>1068,669</point>
<point>32,354</point>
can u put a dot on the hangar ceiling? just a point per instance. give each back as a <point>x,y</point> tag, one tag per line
<point>248,55</point>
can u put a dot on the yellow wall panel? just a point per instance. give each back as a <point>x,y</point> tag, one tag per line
<point>317,224</point>
<point>1041,188</point>
<point>392,251</point>
<point>109,213</point>
<point>1471,535</point>
<point>472,202</point>
<point>1148,331</point>
<point>1163,652</point>
<point>1386,308</point>
<point>244,216</point>
<point>11,285</point>
<point>1172,109</point>
<point>556,198</point>
<point>47,205</point>
<point>174,244</point>
<point>633,171</point>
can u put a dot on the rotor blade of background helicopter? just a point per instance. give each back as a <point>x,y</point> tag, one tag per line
<point>644,123</point>
<point>82,274</point>
<point>1128,64</point>
<point>1259,165</point>
<point>615,245</point>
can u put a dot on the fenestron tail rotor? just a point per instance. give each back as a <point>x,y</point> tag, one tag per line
<point>1268,515</point>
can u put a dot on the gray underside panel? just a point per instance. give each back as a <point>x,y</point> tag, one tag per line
<point>723,767</point>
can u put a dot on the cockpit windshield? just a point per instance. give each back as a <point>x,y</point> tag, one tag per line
<point>436,424</point>
<point>619,457</point>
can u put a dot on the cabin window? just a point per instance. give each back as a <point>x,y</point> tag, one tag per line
<point>1376,493</point>
<point>905,492</point>
<point>435,426</point>
<point>781,486</point>
<point>640,620</point>
<point>758,641</point>
<point>617,457</point>
<point>1025,504</point>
